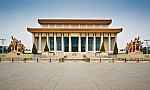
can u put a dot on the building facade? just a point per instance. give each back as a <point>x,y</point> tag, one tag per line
<point>74,35</point>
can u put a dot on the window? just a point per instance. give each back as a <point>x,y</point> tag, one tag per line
<point>58,39</point>
<point>90,44</point>
<point>66,44</point>
<point>83,42</point>
<point>52,43</point>
<point>74,41</point>
<point>98,39</point>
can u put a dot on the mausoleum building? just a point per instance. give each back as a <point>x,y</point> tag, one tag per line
<point>74,35</point>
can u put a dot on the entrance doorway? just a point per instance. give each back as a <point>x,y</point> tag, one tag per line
<point>74,44</point>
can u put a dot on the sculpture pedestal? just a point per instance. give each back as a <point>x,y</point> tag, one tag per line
<point>14,51</point>
<point>14,54</point>
<point>136,54</point>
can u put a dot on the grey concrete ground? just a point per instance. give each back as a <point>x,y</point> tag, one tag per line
<point>74,76</point>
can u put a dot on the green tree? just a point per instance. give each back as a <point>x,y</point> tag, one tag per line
<point>102,48</point>
<point>34,50</point>
<point>115,52</point>
<point>46,47</point>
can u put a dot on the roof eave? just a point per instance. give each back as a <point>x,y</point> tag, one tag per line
<point>76,21</point>
<point>68,30</point>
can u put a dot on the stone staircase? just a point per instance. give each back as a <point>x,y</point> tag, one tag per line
<point>75,55</point>
<point>58,55</point>
<point>90,55</point>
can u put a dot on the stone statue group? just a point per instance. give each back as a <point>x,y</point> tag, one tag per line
<point>134,46</point>
<point>16,45</point>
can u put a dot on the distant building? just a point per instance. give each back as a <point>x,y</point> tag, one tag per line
<point>3,49</point>
<point>74,35</point>
<point>145,51</point>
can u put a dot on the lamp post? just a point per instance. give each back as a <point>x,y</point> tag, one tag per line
<point>2,39</point>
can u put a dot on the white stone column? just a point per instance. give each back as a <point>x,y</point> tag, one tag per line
<point>54,42</point>
<point>94,45</point>
<point>102,40</point>
<point>47,40</point>
<point>62,42</point>
<point>116,38</point>
<point>79,44</point>
<point>87,42</point>
<point>33,38</point>
<point>40,43</point>
<point>109,43</point>
<point>69,42</point>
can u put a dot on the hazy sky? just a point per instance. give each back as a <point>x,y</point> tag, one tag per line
<point>132,15</point>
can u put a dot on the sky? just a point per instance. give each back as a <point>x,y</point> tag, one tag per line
<point>131,15</point>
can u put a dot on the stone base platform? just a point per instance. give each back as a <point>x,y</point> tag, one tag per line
<point>136,54</point>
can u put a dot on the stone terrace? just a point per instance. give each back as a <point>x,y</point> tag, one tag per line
<point>74,76</point>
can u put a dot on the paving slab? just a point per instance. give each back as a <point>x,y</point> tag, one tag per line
<point>72,75</point>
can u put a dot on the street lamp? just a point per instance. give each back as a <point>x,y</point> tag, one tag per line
<point>2,39</point>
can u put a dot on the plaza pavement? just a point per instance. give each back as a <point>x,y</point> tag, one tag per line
<point>74,76</point>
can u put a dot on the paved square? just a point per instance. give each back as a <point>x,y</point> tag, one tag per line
<point>74,76</point>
